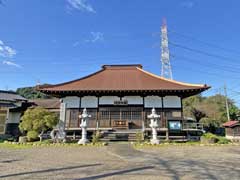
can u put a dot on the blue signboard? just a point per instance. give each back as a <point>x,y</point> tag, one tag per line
<point>175,125</point>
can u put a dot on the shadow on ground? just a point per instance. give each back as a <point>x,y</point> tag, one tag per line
<point>177,167</point>
<point>49,170</point>
<point>117,173</point>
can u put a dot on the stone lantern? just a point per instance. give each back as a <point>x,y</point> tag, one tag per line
<point>84,118</point>
<point>154,125</point>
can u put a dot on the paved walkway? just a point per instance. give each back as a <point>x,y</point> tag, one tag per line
<point>183,162</point>
<point>121,161</point>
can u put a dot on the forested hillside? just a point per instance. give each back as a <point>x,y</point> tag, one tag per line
<point>31,93</point>
<point>209,110</point>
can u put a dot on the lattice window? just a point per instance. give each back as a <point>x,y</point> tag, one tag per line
<point>126,115</point>
<point>2,122</point>
<point>115,115</point>
<point>74,118</point>
<point>105,115</point>
<point>237,131</point>
<point>136,115</point>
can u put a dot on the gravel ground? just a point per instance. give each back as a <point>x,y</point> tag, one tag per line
<point>121,161</point>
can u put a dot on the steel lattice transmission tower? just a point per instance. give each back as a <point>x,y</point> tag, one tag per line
<point>165,58</point>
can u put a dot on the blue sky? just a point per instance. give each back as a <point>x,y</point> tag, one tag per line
<point>60,40</point>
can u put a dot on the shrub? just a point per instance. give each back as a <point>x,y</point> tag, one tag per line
<point>37,120</point>
<point>32,135</point>
<point>223,140</point>
<point>212,138</point>
<point>209,138</point>
<point>96,137</point>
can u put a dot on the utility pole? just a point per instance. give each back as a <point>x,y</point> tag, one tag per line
<point>226,101</point>
<point>166,66</point>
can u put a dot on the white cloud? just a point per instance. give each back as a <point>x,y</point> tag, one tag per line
<point>10,63</point>
<point>187,4</point>
<point>10,51</point>
<point>6,51</point>
<point>81,5</point>
<point>96,36</point>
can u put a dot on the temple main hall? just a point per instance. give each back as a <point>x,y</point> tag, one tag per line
<point>120,97</point>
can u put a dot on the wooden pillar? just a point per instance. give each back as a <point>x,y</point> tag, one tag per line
<point>6,121</point>
<point>143,115</point>
<point>167,135</point>
<point>182,115</point>
<point>162,114</point>
<point>79,110</point>
<point>166,121</point>
<point>97,120</point>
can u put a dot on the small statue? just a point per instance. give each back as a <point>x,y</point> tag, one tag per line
<point>58,134</point>
<point>154,125</point>
<point>84,118</point>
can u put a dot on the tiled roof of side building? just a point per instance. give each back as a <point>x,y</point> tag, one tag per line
<point>121,78</point>
<point>10,96</point>
<point>46,103</point>
<point>231,123</point>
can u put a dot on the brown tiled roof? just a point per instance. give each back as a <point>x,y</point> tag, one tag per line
<point>122,78</point>
<point>46,103</point>
<point>231,123</point>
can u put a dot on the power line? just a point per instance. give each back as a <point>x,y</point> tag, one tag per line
<point>202,52</point>
<point>204,73</point>
<point>210,64</point>
<point>204,42</point>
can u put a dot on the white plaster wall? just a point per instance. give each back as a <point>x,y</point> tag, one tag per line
<point>153,101</point>
<point>14,117</point>
<point>71,101</point>
<point>89,102</point>
<point>108,99</point>
<point>172,102</point>
<point>133,99</point>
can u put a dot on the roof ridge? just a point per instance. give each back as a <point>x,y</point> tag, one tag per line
<point>106,66</point>
<point>8,92</point>
<point>170,80</point>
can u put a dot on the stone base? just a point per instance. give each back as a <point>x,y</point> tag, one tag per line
<point>83,141</point>
<point>154,141</point>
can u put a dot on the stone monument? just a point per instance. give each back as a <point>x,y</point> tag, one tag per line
<point>84,118</point>
<point>58,134</point>
<point>154,125</point>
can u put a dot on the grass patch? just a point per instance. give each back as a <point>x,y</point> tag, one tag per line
<point>46,143</point>
<point>164,144</point>
<point>221,141</point>
<point>14,146</point>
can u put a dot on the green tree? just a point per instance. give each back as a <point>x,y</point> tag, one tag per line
<point>233,112</point>
<point>198,114</point>
<point>190,103</point>
<point>37,120</point>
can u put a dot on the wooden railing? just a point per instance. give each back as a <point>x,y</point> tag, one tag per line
<point>195,126</point>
